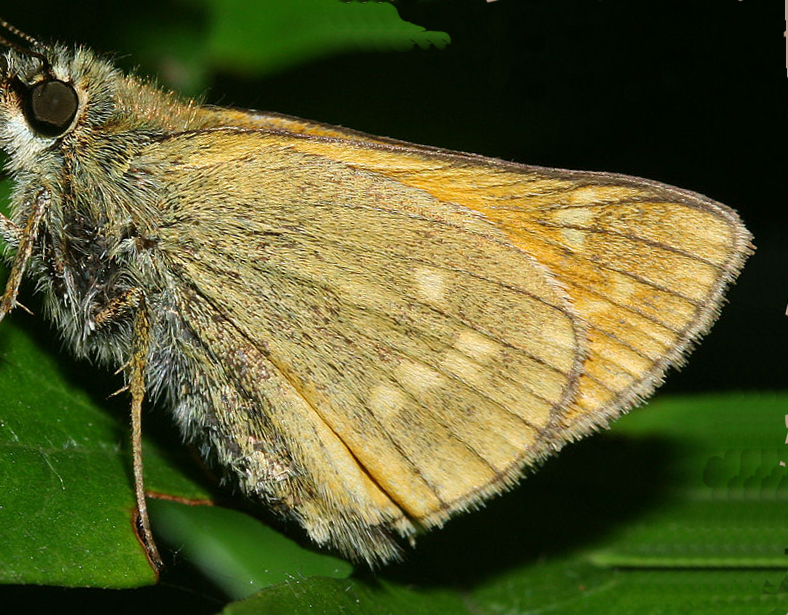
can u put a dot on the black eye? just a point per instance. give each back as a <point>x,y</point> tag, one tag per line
<point>50,107</point>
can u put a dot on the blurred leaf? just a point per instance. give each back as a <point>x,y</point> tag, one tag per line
<point>237,552</point>
<point>269,36</point>
<point>192,39</point>
<point>246,36</point>
<point>727,494</point>
<point>557,588</point>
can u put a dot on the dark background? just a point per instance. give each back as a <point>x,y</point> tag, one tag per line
<point>691,93</point>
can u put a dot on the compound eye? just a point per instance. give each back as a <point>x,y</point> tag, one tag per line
<point>51,106</point>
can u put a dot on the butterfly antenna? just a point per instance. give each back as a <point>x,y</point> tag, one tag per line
<point>25,47</point>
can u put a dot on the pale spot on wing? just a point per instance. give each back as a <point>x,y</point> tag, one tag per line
<point>458,472</point>
<point>417,378</point>
<point>476,346</point>
<point>625,289</point>
<point>594,305</point>
<point>430,284</point>
<point>624,360</point>
<point>386,401</point>
<point>461,366</point>
<point>575,216</point>
<point>574,238</point>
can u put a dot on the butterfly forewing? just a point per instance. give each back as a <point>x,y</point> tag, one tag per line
<point>444,320</point>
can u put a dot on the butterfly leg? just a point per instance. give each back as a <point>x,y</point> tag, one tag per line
<point>23,240</point>
<point>137,387</point>
<point>134,300</point>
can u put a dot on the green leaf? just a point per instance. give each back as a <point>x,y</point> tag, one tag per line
<point>249,37</point>
<point>66,495</point>
<point>726,493</point>
<point>554,588</point>
<point>329,596</point>
<point>65,498</point>
<point>564,588</point>
<point>239,553</point>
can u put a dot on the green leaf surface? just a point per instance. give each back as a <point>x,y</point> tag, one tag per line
<point>66,497</point>
<point>562,588</point>
<point>556,588</point>
<point>726,494</point>
<point>329,596</point>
